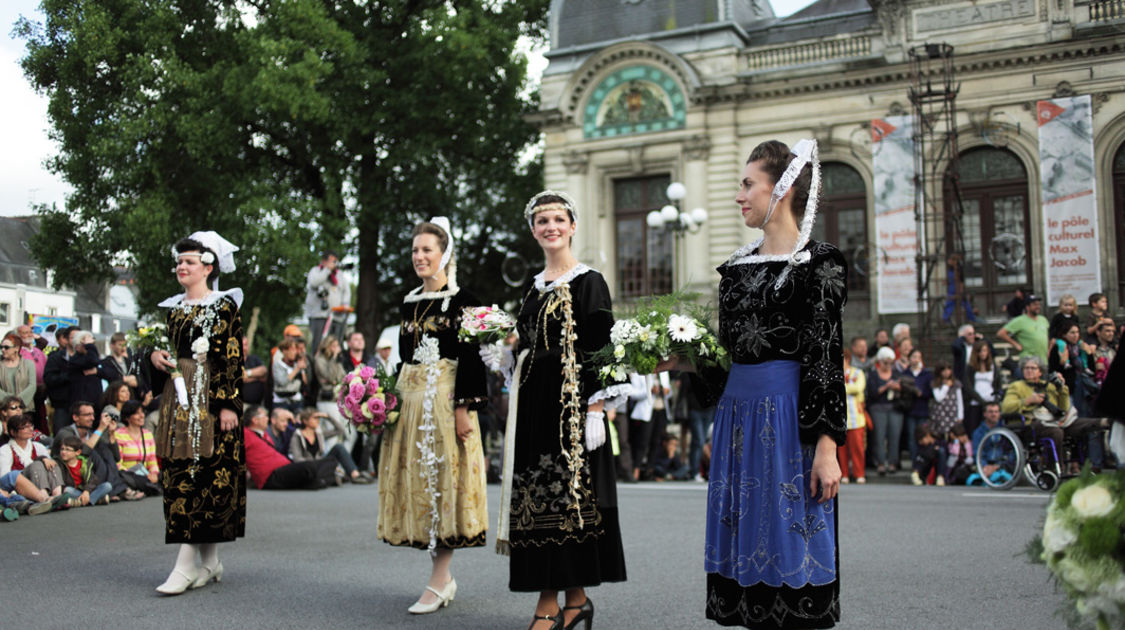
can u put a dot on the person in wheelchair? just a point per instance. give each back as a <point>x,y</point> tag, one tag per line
<point>1044,404</point>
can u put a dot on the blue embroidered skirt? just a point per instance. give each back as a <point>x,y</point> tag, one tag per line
<point>771,548</point>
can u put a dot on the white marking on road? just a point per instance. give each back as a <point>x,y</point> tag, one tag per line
<point>662,486</point>
<point>1006,495</point>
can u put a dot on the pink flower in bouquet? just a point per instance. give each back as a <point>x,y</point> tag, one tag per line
<point>375,408</point>
<point>391,401</point>
<point>373,387</point>
<point>356,391</point>
<point>366,372</point>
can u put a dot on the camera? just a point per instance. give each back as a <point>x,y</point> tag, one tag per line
<point>346,266</point>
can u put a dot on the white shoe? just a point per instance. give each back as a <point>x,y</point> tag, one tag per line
<point>206,574</point>
<point>444,596</point>
<point>177,582</point>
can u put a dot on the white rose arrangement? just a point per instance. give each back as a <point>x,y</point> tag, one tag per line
<point>1083,545</point>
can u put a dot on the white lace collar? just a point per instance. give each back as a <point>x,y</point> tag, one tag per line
<point>542,285</point>
<point>212,297</point>
<point>417,295</point>
<point>744,255</point>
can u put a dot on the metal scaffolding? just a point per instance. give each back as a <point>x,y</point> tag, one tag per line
<point>933,99</point>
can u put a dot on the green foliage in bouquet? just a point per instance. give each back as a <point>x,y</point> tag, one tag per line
<point>656,328</point>
<point>1083,546</point>
<point>154,337</point>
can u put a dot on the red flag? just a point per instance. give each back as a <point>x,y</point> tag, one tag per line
<point>880,129</point>
<point>1047,111</point>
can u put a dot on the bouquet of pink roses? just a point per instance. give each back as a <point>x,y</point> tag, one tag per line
<point>485,324</point>
<point>365,399</point>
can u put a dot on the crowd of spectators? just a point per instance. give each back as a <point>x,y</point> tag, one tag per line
<point>77,426</point>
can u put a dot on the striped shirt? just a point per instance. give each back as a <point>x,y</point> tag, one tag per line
<point>135,452</point>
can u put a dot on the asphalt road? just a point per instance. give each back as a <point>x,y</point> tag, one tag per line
<point>911,558</point>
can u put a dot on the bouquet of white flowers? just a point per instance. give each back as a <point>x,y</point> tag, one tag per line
<point>657,332</point>
<point>1084,547</point>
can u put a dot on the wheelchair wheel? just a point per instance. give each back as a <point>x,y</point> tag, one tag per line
<point>1002,449</point>
<point>1046,480</point>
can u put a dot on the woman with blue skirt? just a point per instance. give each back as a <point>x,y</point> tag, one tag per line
<point>771,550</point>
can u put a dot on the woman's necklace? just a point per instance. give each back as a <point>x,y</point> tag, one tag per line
<point>416,323</point>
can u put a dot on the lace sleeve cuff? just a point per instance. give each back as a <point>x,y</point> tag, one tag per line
<point>613,395</point>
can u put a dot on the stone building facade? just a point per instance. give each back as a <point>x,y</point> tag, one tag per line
<point>639,93</point>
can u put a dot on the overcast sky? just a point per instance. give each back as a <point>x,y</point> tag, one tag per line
<point>23,119</point>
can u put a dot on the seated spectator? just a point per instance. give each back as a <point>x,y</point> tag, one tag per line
<point>138,466</point>
<point>99,442</point>
<point>959,456</point>
<point>1045,405</point>
<point>17,374</point>
<point>31,460</point>
<point>85,481</point>
<point>926,462</point>
<point>669,462</point>
<point>85,384</point>
<point>990,419</point>
<point>288,376</point>
<point>270,470</point>
<point>308,442</point>
<point>994,451</point>
<point>281,428</point>
<point>19,495</point>
<point>21,450</point>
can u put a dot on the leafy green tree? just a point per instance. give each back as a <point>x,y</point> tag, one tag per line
<point>288,126</point>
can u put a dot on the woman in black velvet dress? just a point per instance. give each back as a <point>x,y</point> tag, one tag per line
<point>771,547</point>
<point>198,441</point>
<point>559,502</point>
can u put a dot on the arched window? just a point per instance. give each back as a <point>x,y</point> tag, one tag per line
<point>842,221</point>
<point>994,227</point>
<point>1119,220</point>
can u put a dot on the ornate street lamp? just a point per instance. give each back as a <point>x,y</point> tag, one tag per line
<point>671,218</point>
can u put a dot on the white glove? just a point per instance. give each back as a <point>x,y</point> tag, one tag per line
<point>595,429</point>
<point>181,391</point>
<point>498,358</point>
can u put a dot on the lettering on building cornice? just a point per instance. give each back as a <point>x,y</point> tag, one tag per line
<point>943,18</point>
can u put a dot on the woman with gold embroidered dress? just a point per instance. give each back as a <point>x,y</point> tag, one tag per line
<point>432,467</point>
<point>200,452</point>
<point>771,547</point>
<point>558,506</point>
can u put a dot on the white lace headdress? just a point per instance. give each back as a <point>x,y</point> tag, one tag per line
<point>222,248</point>
<point>447,261</point>
<point>567,204</point>
<point>805,152</point>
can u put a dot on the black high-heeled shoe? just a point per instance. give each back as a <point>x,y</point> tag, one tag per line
<point>556,621</point>
<point>586,614</point>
